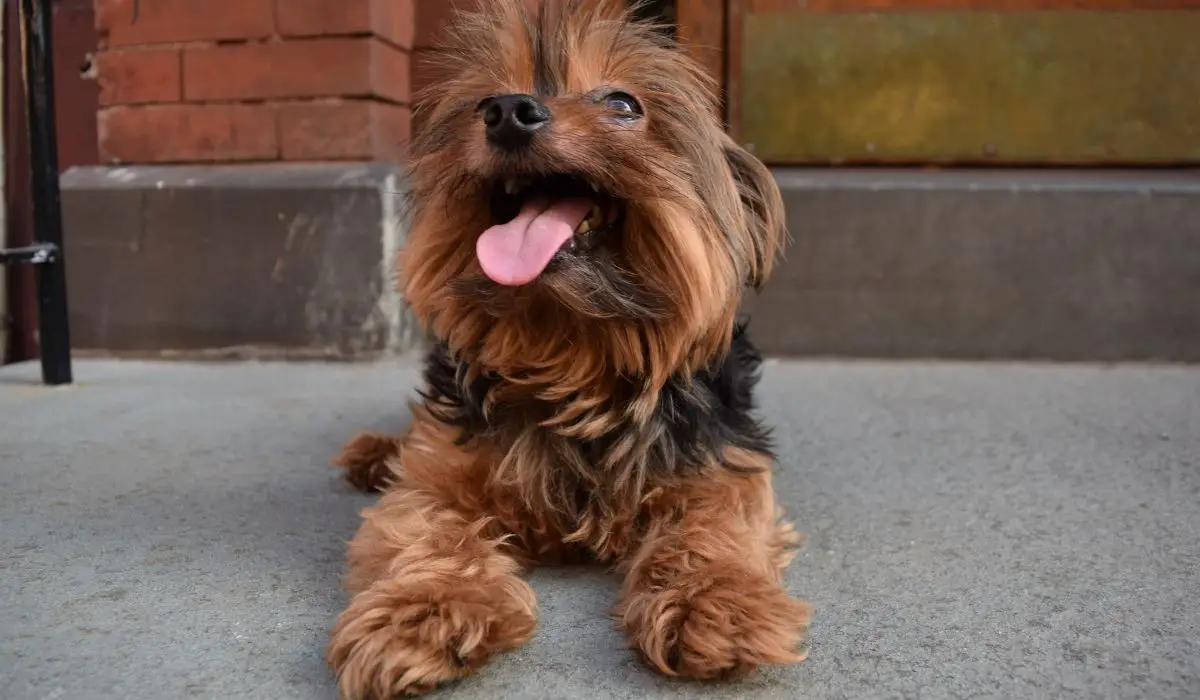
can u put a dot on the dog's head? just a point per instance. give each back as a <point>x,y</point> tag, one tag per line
<point>576,204</point>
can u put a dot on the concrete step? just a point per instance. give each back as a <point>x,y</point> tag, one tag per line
<point>1063,265</point>
<point>266,260</point>
<point>1057,265</point>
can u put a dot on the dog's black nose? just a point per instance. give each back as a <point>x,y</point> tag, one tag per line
<point>512,120</point>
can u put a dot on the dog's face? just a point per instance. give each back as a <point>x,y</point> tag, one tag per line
<point>573,188</point>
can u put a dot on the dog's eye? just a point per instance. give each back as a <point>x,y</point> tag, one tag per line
<point>626,106</point>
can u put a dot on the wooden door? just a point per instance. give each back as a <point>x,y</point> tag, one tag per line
<point>1010,82</point>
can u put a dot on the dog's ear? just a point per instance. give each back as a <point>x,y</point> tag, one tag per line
<point>762,204</point>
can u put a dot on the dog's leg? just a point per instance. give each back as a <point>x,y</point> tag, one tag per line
<point>703,594</point>
<point>365,460</point>
<point>435,583</point>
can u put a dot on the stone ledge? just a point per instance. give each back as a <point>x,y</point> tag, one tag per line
<point>293,261</point>
<point>285,259</point>
<point>1054,265</point>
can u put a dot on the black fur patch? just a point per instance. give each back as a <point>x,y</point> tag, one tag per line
<point>694,420</point>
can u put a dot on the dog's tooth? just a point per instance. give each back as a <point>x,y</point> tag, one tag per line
<point>584,226</point>
<point>510,186</point>
<point>595,187</point>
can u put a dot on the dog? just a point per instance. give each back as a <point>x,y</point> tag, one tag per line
<point>582,231</point>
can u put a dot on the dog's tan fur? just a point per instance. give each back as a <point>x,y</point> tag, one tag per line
<point>435,568</point>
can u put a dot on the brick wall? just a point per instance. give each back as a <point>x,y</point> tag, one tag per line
<point>187,81</point>
<point>221,81</point>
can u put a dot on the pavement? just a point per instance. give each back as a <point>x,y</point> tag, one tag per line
<point>974,531</point>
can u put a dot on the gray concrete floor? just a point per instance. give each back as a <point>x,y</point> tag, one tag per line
<point>1000,531</point>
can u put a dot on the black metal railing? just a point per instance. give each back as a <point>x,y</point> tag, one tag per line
<point>46,254</point>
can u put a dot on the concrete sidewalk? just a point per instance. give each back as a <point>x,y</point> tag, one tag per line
<point>172,531</point>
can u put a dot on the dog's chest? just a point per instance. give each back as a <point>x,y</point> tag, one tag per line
<point>601,441</point>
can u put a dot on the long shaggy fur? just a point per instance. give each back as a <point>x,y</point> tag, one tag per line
<point>604,410</point>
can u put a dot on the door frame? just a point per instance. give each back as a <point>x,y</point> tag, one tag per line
<point>702,27</point>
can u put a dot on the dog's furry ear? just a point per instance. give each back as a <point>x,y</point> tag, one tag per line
<point>763,207</point>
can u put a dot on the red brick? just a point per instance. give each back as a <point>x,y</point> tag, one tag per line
<point>391,73</point>
<point>389,19</point>
<point>166,21</point>
<point>343,130</point>
<point>395,20</point>
<point>133,77</point>
<point>188,133</point>
<point>358,67</point>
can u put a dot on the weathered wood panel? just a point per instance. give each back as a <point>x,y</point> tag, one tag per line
<point>1034,86</point>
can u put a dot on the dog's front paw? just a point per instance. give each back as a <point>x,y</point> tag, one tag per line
<point>404,637</point>
<point>366,458</point>
<point>720,624</point>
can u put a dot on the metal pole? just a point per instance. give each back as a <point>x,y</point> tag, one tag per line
<point>54,338</point>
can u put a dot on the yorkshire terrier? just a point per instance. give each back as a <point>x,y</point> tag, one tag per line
<point>582,231</point>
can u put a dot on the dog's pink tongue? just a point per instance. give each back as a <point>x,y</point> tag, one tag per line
<point>516,253</point>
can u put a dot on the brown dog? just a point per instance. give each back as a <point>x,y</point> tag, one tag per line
<point>582,232</point>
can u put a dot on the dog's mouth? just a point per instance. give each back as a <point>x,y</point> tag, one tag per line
<point>538,221</point>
